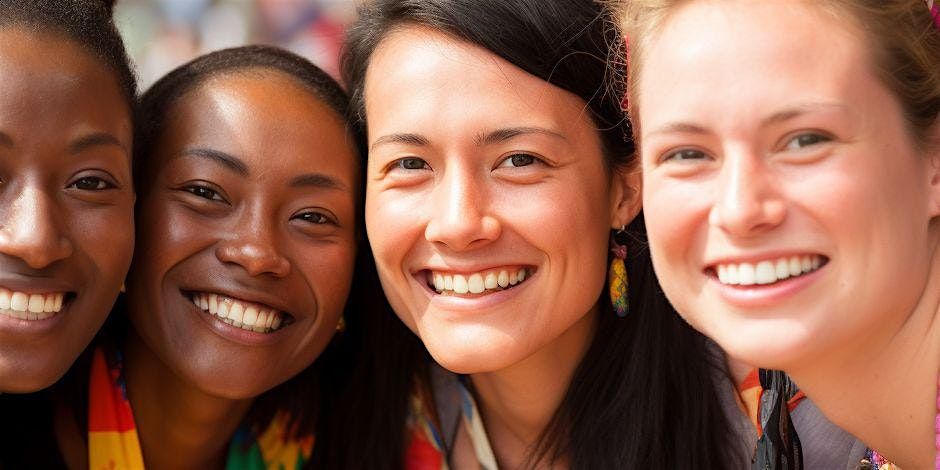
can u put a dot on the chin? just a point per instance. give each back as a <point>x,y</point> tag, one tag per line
<point>471,353</point>
<point>770,344</point>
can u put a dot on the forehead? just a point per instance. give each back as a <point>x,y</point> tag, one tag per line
<point>263,117</point>
<point>712,57</point>
<point>48,81</point>
<point>420,76</point>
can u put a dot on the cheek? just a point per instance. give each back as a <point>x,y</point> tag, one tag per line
<point>106,237</point>
<point>328,270</point>
<point>394,223</point>
<point>673,212</point>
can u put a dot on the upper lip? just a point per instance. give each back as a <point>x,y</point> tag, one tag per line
<point>470,269</point>
<point>756,258</point>
<point>35,285</point>
<point>246,294</point>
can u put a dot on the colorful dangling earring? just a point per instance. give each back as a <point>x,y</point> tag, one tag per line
<point>617,276</point>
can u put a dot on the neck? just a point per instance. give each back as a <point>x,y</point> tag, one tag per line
<point>517,403</point>
<point>884,389</point>
<point>178,425</point>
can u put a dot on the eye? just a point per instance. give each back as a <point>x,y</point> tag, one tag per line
<point>518,160</point>
<point>410,164</point>
<point>685,155</point>
<point>314,218</point>
<point>204,192</point>
<point>92,183</point>
<point>808,139</point>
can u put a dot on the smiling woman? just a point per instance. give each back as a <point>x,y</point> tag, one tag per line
<point>248,222</point>
<point>498,172</point>
<point>794,217</point>
<point>66,193</point>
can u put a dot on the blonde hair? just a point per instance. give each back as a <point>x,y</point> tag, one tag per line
<point>902,35</point>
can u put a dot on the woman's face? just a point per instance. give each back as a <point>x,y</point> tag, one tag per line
<point>489,202</point>
<point>247,234</point>
<point>787,205</point>
<point>66,203</point>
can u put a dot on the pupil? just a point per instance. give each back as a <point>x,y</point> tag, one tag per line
<point>521,160</point>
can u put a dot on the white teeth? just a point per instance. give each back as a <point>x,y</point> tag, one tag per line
<point>746,274</point>
<point>29,306</point>
<point>460,284</point>
<point>19,301</point>
<point>245,315</point>
<point>796,268</point>
<point>782,268</point>
<point>767,272</point>
<point>477,283</point>
<point>503,279</point>
<point>491,281</point>
<point>732,274</point>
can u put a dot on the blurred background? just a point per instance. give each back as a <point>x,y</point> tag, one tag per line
<point>162,34</point>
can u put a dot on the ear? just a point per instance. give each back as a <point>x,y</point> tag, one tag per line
<point>934,171</point>
<point>626,195</point>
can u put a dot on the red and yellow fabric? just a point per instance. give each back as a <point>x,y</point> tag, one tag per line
<point>750,392</point>
<point>112,434</point>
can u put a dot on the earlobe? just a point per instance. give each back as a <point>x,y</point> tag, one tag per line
<point>627,194</point>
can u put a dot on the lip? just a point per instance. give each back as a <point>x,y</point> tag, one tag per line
<point>768,295</point>
<point>17,326</point>
<point>36,285</point>
<point>476,305</point>
<point>233,333</point>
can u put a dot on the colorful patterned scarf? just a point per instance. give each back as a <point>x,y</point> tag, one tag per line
<point>112,433</point>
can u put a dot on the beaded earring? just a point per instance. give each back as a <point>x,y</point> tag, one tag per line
<point>617,276</point>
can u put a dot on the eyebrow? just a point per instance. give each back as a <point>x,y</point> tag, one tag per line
<point>775,118</point>
<point>482,139</point>
<point>226,160</point>
<point>401,138</point>
<point>318,180</point>
<point>509,133</point>
<point>94,140</point>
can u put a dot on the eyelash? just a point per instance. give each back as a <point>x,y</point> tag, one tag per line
<point>323,219</point>
<point>532,160</point>
<point>204,192</point>
<point>818,138</point>
<point>101,184</point>
<point>400,164</point>
<point>672,155</point>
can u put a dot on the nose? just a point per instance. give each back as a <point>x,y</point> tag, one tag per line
<point>748,200</point>
<point>253,245</point>
<point>460,213</point>
<point>30,232</point>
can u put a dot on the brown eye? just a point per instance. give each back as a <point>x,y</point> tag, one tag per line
<point>805,140</point>
<point>412,163</point>
<point>519,160</point>
<point>91,183</point>
<point>314,218</point>
<point>205,193</point>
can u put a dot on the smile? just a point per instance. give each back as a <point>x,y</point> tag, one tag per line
<point>769,271</point>
<point>483,282</point>
<point>242,314</point>
<point>30,307</point>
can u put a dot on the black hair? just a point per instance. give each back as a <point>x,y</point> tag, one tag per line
<point>357,389</point>
<point>646,393</point>
<point>87,22</point>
